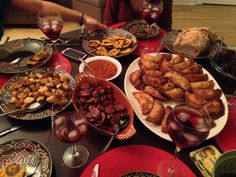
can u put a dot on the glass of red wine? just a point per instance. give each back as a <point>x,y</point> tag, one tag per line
<point>50,22</point>
<point>186,127</point>
<point>70,127</point>
<point>151,11</point>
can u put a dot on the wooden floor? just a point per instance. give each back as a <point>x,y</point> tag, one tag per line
<point>220,18</point>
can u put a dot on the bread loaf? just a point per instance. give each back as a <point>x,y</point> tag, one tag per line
<point>194,41</point>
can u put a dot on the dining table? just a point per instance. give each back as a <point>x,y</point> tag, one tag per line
<point>41,131</point>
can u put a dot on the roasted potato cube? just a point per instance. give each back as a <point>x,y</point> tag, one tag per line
<point>21,96</point>
<point>40,98</point>
<point>63,78</point>
<point>65,86</point>
<point>29,100</point>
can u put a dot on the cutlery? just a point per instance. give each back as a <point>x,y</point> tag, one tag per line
<point>82,35</point>
<point>9,130</point>
<point>32,107</point>
<point>95,171</point>
<point>7,39</point>
<point>122,124</point>
<point>32,164</point>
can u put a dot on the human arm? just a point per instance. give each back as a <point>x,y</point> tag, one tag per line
<point>34,6</point>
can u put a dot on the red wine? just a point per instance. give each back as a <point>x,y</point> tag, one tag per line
<point>52,28</point>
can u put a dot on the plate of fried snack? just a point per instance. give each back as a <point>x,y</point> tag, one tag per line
<point>16,153</point>
<point>197,42</point>
<point>43,85</point>
<point>139,28</point>
<point>155,84</point>
<point>110,42</point>
<point>22,55</point>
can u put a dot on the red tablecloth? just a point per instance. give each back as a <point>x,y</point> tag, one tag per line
<point>65,66</point>
<point>131,158</point>
<point>153,42</point>
<point>226,139</point>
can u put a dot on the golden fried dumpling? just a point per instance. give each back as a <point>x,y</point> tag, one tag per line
<point>208,93</point>
<point>214,108</point>
<point>183,65</point>
<point>136,79</point>
<point>12,170</point>
<point>202,85</point>
<point>157,113</point>
<point>176,94</point>
<point>154,93</point>
<point>178,80</point>
<point>163,123</point>
<point>145,102</point>
<point>194,100</point>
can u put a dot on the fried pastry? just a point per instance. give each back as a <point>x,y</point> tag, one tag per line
<point>148,62</point>
<point>196,77</point>
<point>177,59</point>
<point>157,113</point>
<point>153,73</point>
<point>136,79</point>
<point>166,87</point>
<point>178,79</point>
<point>166,67</point>
<point>154,81</point>
<point>145,102</point>
<point>194,100</point>
<point>208,93</point>
<point>202,85</point>
<point>163,123</point>
<point>195,69</point>
<point>183,65</point>
<point>176,94</point>
<point>154,93</point>
<point>215,108</point>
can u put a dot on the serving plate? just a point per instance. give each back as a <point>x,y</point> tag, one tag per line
<point>119,97</point>
<point>20,149</point>
<point>213,49</point>
<point>137,28</point>
<point>23,49</point>
<point>102,34</point>
<point>6,95</point>
<point>129,89</point>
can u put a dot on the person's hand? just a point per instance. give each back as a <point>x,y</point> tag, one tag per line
<point>92,24</point>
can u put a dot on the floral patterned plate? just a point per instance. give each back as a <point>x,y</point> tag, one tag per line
<point>22,49</point>
<point>139,174</point>
<point>20,149</point>
<point>6,95</point>
<point>100,35</point>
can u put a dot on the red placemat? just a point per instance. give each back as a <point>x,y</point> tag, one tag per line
<point>130,158</point>
<point>153,42</point>
<point>65,66</point>
<point>226,138</point>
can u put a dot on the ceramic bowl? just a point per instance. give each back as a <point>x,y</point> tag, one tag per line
<point>225,165</point>
<point>119,97</point>
<point>106,58</point>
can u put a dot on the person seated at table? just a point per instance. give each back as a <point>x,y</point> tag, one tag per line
<point>34,6</point>
<point>126,10</point>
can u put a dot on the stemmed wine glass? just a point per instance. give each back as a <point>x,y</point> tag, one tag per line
<point>186,127</point>
<point>151,11</point>
<point>50,22</point>
<point>70,127</point>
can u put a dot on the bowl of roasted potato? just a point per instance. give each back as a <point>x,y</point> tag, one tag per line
<point>104,105</point>
<point>48,85</point>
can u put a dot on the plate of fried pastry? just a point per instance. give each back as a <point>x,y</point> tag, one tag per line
<point>155,84</point>
<point>197,42</point>
<point>110,42</point>
<point>43,85</point>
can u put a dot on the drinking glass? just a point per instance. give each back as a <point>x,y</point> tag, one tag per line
<point>70,127</point>
<point>186,127</point>
<point>151,11</point>
<point>50,22</point>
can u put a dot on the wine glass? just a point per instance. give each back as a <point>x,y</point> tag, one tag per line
<point>50,22</point>
<point>70,127</point>
<point>186,127</point>
<point>151,11</point>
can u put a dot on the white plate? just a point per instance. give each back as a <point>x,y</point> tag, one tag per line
<point>106,58</point>
<point>129,89</point>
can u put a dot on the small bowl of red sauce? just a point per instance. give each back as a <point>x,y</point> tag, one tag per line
<point>103,67</point>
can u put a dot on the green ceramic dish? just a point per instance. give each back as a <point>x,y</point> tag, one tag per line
<point>225,165</point>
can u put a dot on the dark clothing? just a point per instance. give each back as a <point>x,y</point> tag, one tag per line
<point>3,4</point>
<point>121,10</point>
